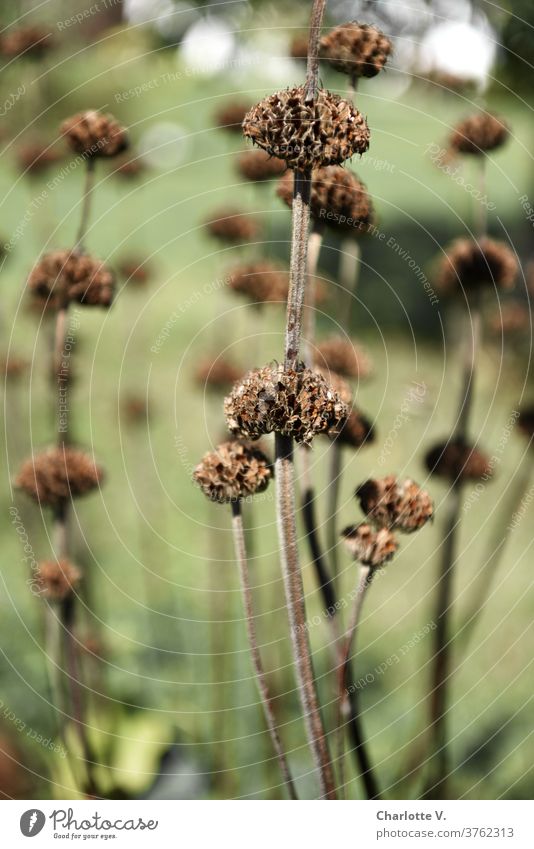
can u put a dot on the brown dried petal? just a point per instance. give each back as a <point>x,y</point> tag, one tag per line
<point>233,471</point>
<point>472,265</point>
<point>58,474</point>
<point>94,134</point>
<point>368,546</point>
<point>61,277</point>
<point>359,50</point>
<point>396,505</point>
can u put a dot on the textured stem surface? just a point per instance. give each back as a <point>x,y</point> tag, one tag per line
<point>312,70</point>
<point>242,561</point>
<point>86,204</point>
<point>297,266</point>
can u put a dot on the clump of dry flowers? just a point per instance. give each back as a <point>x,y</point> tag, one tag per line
<point>66,276</point>
<point>217,375</point>
<point>260,281</point>
<point>478,134</point>
<point>257,166</point>
<point>358,50</point>
<point>472,265</point>
<point>232,226</point>
<point>95,134</point>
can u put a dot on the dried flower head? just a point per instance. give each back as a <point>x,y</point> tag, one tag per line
<point>257,166</point>
<point>218,375</point>
<point>337,383</point>
<point>297,403</point>
<point>338,199</point>
<point>298,47</point>
<point>472,265</point>
<point>232,226</point>
<point>31,41</point>
<point>510,318</point>
<point>356,430</point>
<point>396,505</point>
<point>135,270</point>
<point>57,579</point>
<point>260,281</point>
<point>344,357</point>
<point>61,277</point>
<point>58,474</point>
<point>359,50</point>
<point>230,116</point>
<point>327,131</point>
<point>36,158</point>
<point>455,460</point>
<point>94,134</point>
<point>233,471</point>
<point>478,134</point>
<point>368,546</point>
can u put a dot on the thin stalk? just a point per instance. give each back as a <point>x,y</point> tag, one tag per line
<point>332,494</point>
<point>242,562</point>
<point>86,204</point>
<point>297,266</point>
<point>284,476</point>
<point>349,272</point>
<point>312,68</point>
<point>314,248</point>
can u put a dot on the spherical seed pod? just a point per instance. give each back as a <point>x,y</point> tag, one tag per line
<point>257,166</point>
<point>344,357</point>
<point>470,266</point>
<point>297,403</point>
<point>62,277</point>
<point>57,474</point>
<point>35,158</point>
<point>94,134</point>
<point>232,226</point>
<point>338,200</point>
<point>359,50</point>
<point>479,134</point>
<point>455,460</point>
<point>218,375</point>
<point>368,546</point>
<point>327,131</point>
<point>32,42</point>
<point>235,470</point>
<point>260,281</point>
<point>230,116</point>
<point>396,505</point>
<point>356,430</point>
<point>57,579</point>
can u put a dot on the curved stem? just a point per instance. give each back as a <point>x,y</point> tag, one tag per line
<point>242,561</point>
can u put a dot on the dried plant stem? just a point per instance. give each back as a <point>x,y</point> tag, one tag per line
<point>284,476</point>
<point>297,267</point>
<point>332,493</point>
<point>312,69</point>
<point>86,204</point>
<point>314,249</point>
<point>242,562</point>
<point>349,272</point>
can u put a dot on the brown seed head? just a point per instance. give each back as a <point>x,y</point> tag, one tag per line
<point>344,357</point>
<point>359,50</point>
<point>458,461</point>
<point>260,281</point>
<point>472,265</point>
<point>36,158</point>
<point>94,134</point>
<point>327,131</point>
<point>479,133</point>
<point>57,579</point>
<point>357,430</point>
<point>217,375</point>
<point>57,474</point>
<point>338,199</point>
<point>257,165</point>
<point>396,505</point>
<point>230,116</point>
<point>297,403</point>
<point>337,383</point>
<point>135,270</point>
<point>368,546</point>
<point>61,277</point>
<point>31,41</point>
<point>233,471</point>
<point>232,226</point>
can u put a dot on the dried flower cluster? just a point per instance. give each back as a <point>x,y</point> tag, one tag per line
<point>257,166</point>
<point>232,226</point>
<point>130,169</point>
<point>337,383</point>
<point>471,265</point>
<point>478,134</point>
<point>233,471</point>
<point>355,431</point>
<point>57,579</point>
<point>396,505</point>
<point>94,134</point>
<point>326,131</point>
<point>61,277</point>
<point>260,281</point>
<point>359,50</point>
<point>58,474</point>
<point>455,460</point>
<point>297,403</point>
<point>230,116</point>
<point>218,375</point>
<point>368,546</point>
<point>344,357</point>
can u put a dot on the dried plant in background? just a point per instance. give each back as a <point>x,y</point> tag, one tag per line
<point>232,226</point>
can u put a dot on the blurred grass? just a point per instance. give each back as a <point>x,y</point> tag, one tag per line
<point>144,541</point>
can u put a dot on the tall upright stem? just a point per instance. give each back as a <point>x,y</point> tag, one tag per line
<point>86,204</point>
<point>312,69</point>
<point>297,267</point>
<point>242,562</point>
<point>314,249</point>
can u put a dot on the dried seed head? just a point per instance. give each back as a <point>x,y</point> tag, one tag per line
<point>471,265</point>
<point>525,422</point>
<point>30,41</point>
<point>232,226</point>
<point>396,505</point>
<point>297,403</point>
<point>357,430</point>
<point>135,270</point>
<point>36,158</point>
<point>256,166</point>
<point>298,48</point>
<point>230,116</point>
<point>327,131</point>
<point>61,277</point>
<point>337,383</point>
<point>233,471</point>
<point>370,547</point>
<point>344,357</point>
<point>359,50</point>
<point>478,134</point>
<point>510,318</point>
<point>217,375</point>
<point>260,281</point>
<point>458,461</point>
<point>338,199</point>
<point>56,475</point>
<point>94,134</point>
<point>57,579</point>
